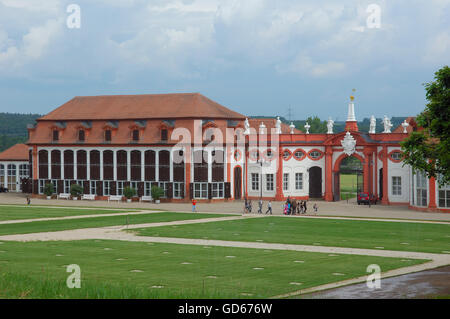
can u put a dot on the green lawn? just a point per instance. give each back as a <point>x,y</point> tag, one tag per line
<point>57,225</point>
<point>31,212</point>
<point>433,238</point>
<point>348,184</point>
<point>115,269</point>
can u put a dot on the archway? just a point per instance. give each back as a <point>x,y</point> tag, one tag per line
<point>349,178</point>
<point>315,182</point>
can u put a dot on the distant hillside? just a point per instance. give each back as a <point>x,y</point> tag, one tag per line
<point>13,128</point>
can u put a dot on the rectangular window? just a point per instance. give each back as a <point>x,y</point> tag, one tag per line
<point>396,185</point>
<point>147,189</point>
<point>286,181</point>
<point>134,185</point>
<point>298,181</point>
<point>23,170</point>
<point>108,135</point>
<point>41,186</point>
<point>178,190</point>
<point>55,186</point>
<point>255,182</point>
<point>164,135</point>
<point>93,187</point>
<point>201,190</point>
<point>135,135</point>
<point>55,135</point>
<point>217,190</point>
<point>269,182</point>
<point>164,186</point>
<point>106,188</point>
<point>119,188</point>
<point>421,189</point>
<point>444,196</point>
<point>81,135</point>
<point>66,187</point>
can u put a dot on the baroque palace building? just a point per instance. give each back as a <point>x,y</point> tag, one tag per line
<point>193,147</point>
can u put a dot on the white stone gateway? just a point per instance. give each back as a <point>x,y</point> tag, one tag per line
<point>349,144</point>
<point>330,126</point>
<point>373,125</point>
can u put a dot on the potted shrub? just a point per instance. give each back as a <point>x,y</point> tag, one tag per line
<point>75,191</point>
<point>157,193</point>
<point>129,192</point>
<point>49,189</point>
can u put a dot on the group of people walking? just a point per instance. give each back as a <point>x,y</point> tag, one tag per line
<point>290,207</point>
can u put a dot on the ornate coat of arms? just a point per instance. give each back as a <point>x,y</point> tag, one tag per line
<point>349,144</point>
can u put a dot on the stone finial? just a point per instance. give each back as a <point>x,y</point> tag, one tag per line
<point>307,127</point>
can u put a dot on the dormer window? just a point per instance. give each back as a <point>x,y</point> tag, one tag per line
<point>107,135</point>
<point>81,135</point>
<point>135,135</point>
<point>55,135</point>
<point>164,135</point>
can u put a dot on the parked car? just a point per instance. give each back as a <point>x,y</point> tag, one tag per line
<point>365,198</point>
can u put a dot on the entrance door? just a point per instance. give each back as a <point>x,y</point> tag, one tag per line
<point>237,182</point>
<point>315,182</point>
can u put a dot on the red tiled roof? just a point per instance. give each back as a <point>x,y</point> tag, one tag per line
<point>18,152</point>
<point>158,106</point>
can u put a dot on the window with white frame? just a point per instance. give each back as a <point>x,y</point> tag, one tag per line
<point>134,185</point>
<point>315,154</point>
<point>299,154</point>
<point>397,155</point>
<point>298,181</point>
<point>147,189</point>
<point>444,196</point>
<point>255,181</point>
<point>178,190</point>
<point>106,188</point>
<point>396,185</point>
<point>41,186</point>
<point>66,187</point>
<point>2,175</point>
<point>165,187</point>
<point>55,186</point>
<point>23,170</point>
<point>286,181</point>
<point>217,190</point>
<point>201,190</point>
<point>93,187</point>
<point>421,189</point>
<point>119,188</point>
<point>12,177</point>
<point>269,182</point>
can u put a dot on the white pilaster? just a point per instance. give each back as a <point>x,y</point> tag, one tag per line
<point>101,165</point>
<point>209,166</point>
<point>142,165</point>
<point>128,165</point>
<point>88,163</point>
<point>157,166</point>
<point>62,164</point>
<point>115,164</point>
<point>75,168</point>
<point>49,159</point>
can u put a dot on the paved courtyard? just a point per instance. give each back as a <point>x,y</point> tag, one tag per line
<point>350,209</point>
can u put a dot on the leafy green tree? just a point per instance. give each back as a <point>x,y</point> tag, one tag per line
<point>317,126</point>
<point>428,149</point>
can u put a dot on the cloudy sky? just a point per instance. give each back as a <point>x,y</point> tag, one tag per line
<point>258,57</point>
